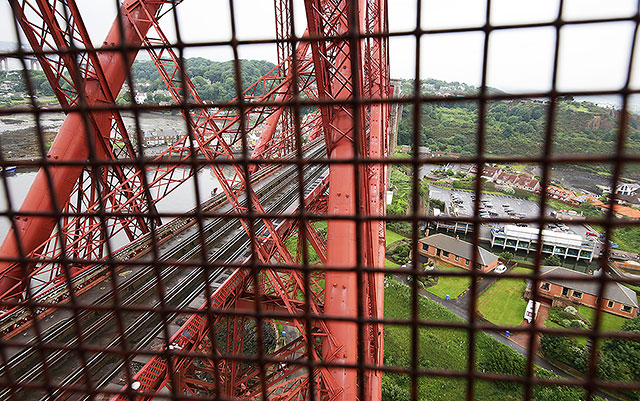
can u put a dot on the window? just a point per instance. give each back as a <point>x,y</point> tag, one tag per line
<point>577,294</point>
<point>445,254</point>
<point>626,308</point>
<point>610,304</point>
<point>457,258</point>
<point>565,291</point>
<point>466,262</point>
<point>545,286</point>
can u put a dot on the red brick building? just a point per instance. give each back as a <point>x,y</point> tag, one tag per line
<point>618,299</point>
<point>443,248</point>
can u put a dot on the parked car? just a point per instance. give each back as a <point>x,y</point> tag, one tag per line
<point>500,269</point>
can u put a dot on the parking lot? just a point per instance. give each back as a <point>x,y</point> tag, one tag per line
<point>493,203</point>
<point>496,205</point>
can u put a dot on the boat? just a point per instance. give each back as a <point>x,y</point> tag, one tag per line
<point>9,170</point>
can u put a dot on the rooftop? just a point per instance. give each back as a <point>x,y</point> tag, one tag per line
<point>548,236</point>
<point>458,247</point>
<point>613,291</point>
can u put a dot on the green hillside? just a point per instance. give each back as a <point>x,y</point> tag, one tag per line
<point>515,127</point>
<point>214,81</point>
<point>447,349</point>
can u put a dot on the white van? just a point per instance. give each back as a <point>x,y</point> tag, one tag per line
<point>528,313</point>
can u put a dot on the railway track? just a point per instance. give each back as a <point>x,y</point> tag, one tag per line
<point>184,287</point>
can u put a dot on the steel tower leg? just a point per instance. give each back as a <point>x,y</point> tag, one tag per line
<point>71,144</point>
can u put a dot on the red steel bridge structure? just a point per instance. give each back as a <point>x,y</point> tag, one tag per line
<point>94,186</point>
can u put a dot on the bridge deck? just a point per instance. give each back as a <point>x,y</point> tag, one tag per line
<point>226,241</point>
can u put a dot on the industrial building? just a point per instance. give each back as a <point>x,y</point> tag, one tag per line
<point>553,242</point>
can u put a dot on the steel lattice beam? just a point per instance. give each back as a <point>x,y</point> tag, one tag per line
<point>332,70</point>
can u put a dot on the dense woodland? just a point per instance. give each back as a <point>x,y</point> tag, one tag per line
<point>214,81</point>
<point>515,127</point>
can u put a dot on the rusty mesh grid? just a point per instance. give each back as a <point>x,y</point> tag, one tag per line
<point>38,374</point>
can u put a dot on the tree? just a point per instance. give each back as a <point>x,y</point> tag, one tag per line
<point>507,256</point>
<point>565,350</point>
<point>436,204</point>
<point>553,260</point>
<point>503,360</point>
<point>45,88</point>
<point>623,355</point>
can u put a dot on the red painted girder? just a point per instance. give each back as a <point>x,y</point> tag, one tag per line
<point>84,74</point>
<point>153,375</point>
<point>335,80</point>
<point>165,180</point>
<point>266,136</point>
<point>233,187</point>
<point>71,143</point>
<point>316,241</point>
<point>375,85</point>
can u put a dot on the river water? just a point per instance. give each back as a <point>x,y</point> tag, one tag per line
<point>19,140</point>
<point>180,200</point>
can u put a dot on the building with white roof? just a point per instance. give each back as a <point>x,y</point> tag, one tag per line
<point>553,243</point>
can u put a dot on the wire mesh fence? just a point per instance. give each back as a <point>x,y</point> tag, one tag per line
<point>193,244</point>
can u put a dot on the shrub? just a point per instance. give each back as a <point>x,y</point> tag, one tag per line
<point>555,392</point>
<point>565,350</point>
<point>506,255</point>
<point>578,324</point>
<point>401,227</point>
<point>553,260</point>
<point>505,361</point>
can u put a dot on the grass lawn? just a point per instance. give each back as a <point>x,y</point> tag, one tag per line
<point>438,348</point>
<point>454,286</point>
<point>502,303</point>
<point>608,321</point>
<point>627,238</point>
<point>392,237</point>
<point>388,263</point>
<point>292,243</point>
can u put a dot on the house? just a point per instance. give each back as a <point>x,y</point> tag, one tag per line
<point>490,172</point>
<point>627,189</point>
<point>626,211</point>
<point>506,179</point>
<point>562,194</point>
<point>617,298</point>
<point>141,97</point>
<point>456,252</point>
<point>629,200</point>
<point>589,199</point>
<point>526,183</point>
